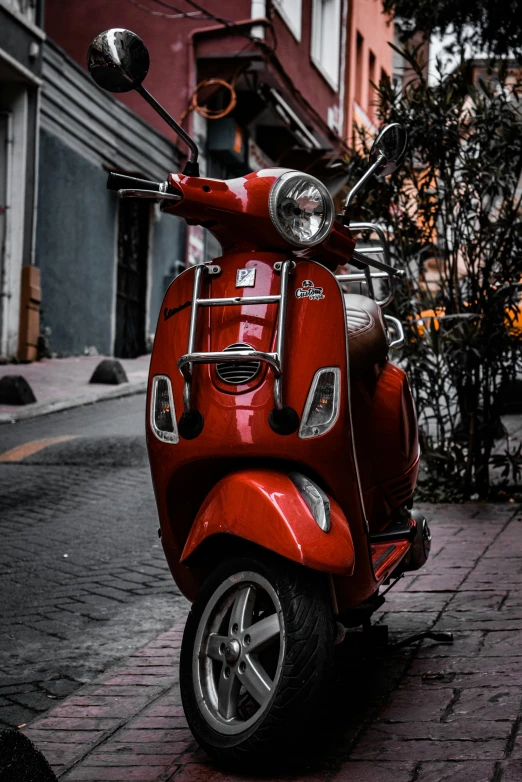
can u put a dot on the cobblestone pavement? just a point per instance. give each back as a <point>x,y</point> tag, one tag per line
<point>83,579</point>
<point>430,713</point>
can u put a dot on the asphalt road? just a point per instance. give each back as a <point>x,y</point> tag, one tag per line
<point>83,579</point>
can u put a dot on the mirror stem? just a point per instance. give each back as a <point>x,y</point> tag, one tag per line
<point>192,165</point>
<point>362,181</point>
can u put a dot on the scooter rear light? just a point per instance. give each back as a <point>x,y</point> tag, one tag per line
<point>162,411</point>
<point>322,404</point>
<point>315,498</point>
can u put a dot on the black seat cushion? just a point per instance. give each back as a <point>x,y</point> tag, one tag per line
<point>367,342</point>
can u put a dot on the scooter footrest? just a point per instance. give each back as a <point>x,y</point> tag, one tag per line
<point>394,533</point>
<point>386,556</point>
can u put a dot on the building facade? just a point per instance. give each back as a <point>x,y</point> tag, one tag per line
<point>256,82</point>
<point>21,46</point>
<point>369,60</point>
<point>103,262</point>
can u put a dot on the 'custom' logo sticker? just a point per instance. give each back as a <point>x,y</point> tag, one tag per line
<point>309,291</point>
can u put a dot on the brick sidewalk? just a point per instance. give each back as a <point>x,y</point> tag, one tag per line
<point>429,714</point>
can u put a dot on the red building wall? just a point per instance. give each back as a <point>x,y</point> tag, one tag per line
<point>369,34</point>
<point>74,24</point>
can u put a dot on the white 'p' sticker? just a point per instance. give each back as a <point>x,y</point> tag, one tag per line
<point>245,278</point>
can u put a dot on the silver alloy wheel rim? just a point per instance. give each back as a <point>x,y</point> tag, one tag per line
<point>227,662</point>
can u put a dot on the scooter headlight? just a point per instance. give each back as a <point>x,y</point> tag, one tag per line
<point>322,404</point>
<point>162,412</point>
<point>301,209</point>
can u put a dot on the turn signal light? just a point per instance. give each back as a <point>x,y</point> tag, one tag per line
<point>162,411</point>
<point>315,498</point>
<point>322,404</point>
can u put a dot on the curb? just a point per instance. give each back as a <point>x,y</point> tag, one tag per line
<point>44,408</point>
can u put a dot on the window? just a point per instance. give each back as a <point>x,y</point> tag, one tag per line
<point>359,67</point>
<point>26,8</point>
<point>326,38</point>
<point>290,12</point>
<point>371,88</point>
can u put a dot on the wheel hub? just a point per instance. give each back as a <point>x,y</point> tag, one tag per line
<point>238,652</point>
<point>232,651</point>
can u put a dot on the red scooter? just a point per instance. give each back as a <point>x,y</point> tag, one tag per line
<point>282,441</point>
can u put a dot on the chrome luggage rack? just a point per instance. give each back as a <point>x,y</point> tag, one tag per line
<point>274,360</point>
<point>384,269</point>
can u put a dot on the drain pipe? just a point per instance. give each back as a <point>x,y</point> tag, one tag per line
<point>258,11</point>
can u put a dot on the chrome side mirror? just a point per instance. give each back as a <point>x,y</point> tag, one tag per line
<point>385,156</point>
<point>389,146</point>
<point>118,60</point>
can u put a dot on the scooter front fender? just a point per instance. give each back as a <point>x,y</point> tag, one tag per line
<point>265,507</point>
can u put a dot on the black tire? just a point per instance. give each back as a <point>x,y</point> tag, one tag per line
<point>305,641</point>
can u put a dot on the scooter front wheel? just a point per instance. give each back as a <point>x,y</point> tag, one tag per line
<point>256,654</point>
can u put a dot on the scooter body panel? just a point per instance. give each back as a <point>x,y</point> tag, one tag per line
<point>386,440</point>
<point>264,507</point>
<point>236,430</point>
<point>236,212</point>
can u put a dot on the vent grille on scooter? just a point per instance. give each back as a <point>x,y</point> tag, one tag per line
<point>235,373</point>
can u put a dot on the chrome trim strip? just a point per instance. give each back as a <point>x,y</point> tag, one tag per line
<point>386,270</point>
<point>370,250</point>
<point>281,325</point>
<point>152,194</point>
<point>401,340</point>
<point>165,437</point>
<point>274,360</point>
<point>362,181</point>
<point>361,276</point>
<point>185,362</point>
<point>187,388</point>
<point>246,300</point>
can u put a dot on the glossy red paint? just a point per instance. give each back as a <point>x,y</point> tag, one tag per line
<point>236,432</point>
<point>236,212</point>
<point>232,478</point>
<point>336,248</point>
<point>288,527</point>
<point>386,557</point>
<point>386,443</point>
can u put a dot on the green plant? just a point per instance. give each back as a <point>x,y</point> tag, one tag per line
<point>492,27</point>
<point>453,212</point>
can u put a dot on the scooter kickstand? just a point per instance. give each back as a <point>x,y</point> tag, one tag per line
<point>441,638</point>
<point>377,637</point>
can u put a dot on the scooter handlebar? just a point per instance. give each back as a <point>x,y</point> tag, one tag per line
<point>122,182</point>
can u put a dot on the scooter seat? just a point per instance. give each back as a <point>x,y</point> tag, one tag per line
<point>367,341</point>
